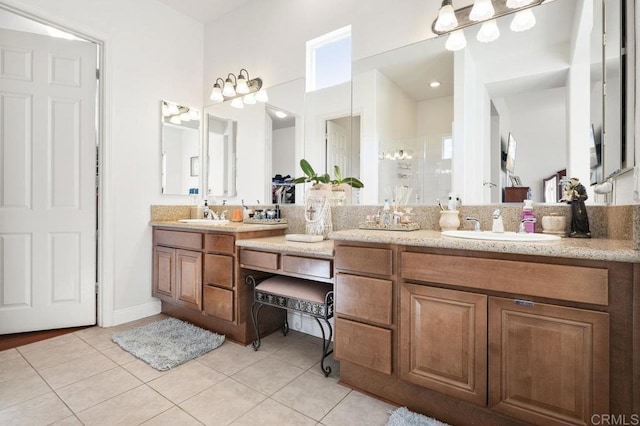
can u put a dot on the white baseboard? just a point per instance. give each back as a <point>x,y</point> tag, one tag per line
<point>306,324</point>
<point>121,316</point>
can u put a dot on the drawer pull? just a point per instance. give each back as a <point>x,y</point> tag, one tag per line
<point>527,303</point>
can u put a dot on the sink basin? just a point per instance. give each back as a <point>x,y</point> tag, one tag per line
<point>204,221</point>
<point>501,236</point>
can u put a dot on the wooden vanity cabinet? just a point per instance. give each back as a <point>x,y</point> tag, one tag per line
<point>195,274</point>
<point>364,304</point>
<point>177,273</point>
<point>489,338</point>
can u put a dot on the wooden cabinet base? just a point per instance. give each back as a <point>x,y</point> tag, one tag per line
<point>420,399</point>
<point>240,333</point>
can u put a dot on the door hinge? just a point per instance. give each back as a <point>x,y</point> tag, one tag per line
<point>97,73</point>
<point>97,288</point>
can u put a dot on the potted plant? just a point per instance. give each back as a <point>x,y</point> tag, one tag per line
<point>319,180</point>
<point>337,186</point>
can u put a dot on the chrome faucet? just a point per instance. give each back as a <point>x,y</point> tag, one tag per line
<point>521,228</point>
<point>498,225</point>
<point>476,225</point>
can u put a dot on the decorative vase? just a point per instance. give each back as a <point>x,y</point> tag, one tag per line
<point>449,220</point>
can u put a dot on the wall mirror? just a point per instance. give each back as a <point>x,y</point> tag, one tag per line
<point>543,85</point>
<point>180,147</point>
<point>221,156</point>
<point>260,146</point>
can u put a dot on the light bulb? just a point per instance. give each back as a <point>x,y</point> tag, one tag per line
<point>515,4</point>
<point>249,99</point>
<point>241,87</point>
<point>446,17</point>
<point>482,10</point>
<point>261,96</point>
<point>523,20</point>
<point>489,31</point>
<point>228,89</point>
<point>237,103</point>
<point>456,41</point>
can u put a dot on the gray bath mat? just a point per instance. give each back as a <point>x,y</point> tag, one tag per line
<point>168,343</point>
<point>403,417</point>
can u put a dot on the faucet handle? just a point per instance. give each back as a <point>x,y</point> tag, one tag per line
<point>476,226</point>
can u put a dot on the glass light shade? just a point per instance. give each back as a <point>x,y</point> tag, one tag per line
<point>456,41</point>
<point>194,115</point>
<point>523,21</point>
<point>228,89</point>
<point>172,109</point>
<point>446,19</point>
<point>237,103</point>
<point>175,120</point>
<point>514,4</point>
<point>216,94</point>
<point>489,31</point>
<point>249,99</point>
<point>241,87</point>
<point>281,114</point>
<point>185,116</point>
<point>261,96</point>
<point>482,10</point>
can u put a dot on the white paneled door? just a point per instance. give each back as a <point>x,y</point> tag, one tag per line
<point>47,182</point>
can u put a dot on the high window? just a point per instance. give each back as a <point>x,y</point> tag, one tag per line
<point>329,59</point>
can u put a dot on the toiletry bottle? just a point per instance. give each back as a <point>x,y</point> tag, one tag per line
<point>277,211</point>
<point>386,213</point>
<point>206,211</point>
<point>527,213</point>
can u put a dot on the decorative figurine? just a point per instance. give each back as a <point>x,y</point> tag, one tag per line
<point>575,194</point>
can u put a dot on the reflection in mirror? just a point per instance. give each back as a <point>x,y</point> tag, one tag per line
<point>329,138</point>
<point>534,84</point>
<point>180,149</point>
<point>221,156</point>
<point>284,139</point>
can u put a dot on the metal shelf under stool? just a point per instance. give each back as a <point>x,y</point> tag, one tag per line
<point>296,295</point>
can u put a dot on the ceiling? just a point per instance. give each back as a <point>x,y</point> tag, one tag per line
<point>205,11</point>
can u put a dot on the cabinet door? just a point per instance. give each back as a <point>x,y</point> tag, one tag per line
<point>549,365</point>
<point>163,273</point>
<point>189,279</point>
<point>443,341</point>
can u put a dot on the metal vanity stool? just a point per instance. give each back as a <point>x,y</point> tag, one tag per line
<point>297,295</point>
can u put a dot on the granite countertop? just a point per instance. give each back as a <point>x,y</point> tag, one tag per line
<point>577,248</point>
<point>231,227</point>
<point>281,245</point>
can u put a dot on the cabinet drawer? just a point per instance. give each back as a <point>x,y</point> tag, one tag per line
<point>370,299</point>
<point>218,270</point>
<point>364,259</point>
<point>364,345</point>
<point>190,240</point>
<point>218,302</point>
<point>561,282</point>
<point>219,243</point>
<point>307,266</point>
<point>259,259</point>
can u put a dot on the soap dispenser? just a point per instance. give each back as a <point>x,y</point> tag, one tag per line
<point>528,216</point>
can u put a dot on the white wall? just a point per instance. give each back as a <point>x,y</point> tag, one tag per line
<point>152,53</point>
<point>284,143</point>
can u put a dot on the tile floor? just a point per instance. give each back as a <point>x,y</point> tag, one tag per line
<point>85,378</point>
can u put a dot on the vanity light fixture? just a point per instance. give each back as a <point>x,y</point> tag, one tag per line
<point>242,87</point>
<point>482,11</point>
<point>399,154</point>
<point>176,114</point>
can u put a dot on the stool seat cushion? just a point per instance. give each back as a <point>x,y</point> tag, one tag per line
<point>297,288</point>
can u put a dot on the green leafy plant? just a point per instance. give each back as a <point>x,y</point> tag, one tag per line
<point>311,176</point>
